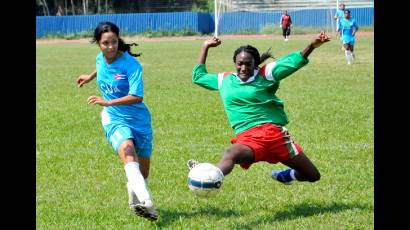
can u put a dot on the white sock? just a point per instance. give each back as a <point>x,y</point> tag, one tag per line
<point>348,55</point>
<point>136,181</point>
<point>132,198</point>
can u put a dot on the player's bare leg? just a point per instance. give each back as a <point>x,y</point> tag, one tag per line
<point>136,182</point>
<point>236,154</point>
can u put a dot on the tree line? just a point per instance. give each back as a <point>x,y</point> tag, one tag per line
<point>89,7</point>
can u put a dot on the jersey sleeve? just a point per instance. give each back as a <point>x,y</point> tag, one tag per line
<point>135,80</point>
<point>201,77</point>
<point>283,67</point>
<point>355,25</point>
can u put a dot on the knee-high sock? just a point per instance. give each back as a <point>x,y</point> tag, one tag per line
<point>348,55</point>
<point>136,181</point>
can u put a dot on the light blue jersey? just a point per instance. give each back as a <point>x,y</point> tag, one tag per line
<point>121,78</point>
<point>340,14</point>
<point>347,27</point>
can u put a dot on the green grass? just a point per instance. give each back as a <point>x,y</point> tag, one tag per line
<point>81,182</point>
<point>268,29</point>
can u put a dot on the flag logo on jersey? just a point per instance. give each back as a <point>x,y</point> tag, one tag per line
<point>119,76</point>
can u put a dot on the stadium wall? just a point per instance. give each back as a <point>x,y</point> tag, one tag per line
<point>231,22</point>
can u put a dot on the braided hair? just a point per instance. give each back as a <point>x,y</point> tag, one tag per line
<point>259,59</point>
<point>104,27</point>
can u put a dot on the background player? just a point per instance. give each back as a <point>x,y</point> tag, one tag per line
<point>347,30</point>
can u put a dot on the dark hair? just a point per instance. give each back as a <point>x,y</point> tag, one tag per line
<point>259,59</point>
<point>348,11</point>
<point>104,27</point>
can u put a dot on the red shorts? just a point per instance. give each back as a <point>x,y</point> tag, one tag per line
<point>269,142</point>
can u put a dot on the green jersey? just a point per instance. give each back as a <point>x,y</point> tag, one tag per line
<point>253,102</point>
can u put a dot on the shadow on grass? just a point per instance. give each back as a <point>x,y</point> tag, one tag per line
<point>306,210</point>
<point>167,217</point>
<point>300,211</point>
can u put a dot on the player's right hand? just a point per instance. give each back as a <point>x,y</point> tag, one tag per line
<point>212,42</point>
<point>83,79</point>
<point>320,39</point>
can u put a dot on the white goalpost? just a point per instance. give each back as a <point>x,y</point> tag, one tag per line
<point>336,21</point>
<point>330,17</point>
<point>220,6</point>
<point>329,23</point>
<point>216,16</point>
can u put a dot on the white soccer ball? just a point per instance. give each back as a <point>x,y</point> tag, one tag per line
<point>205,180</point>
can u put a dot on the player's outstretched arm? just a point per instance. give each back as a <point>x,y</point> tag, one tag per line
<point>84,79</point>
<point>316,43</point>
<point>212,42</point>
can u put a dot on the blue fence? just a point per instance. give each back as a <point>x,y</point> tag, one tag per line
<point>233,22</point>
<point>316,18</point>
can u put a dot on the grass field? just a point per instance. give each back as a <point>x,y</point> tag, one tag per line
<point>81,182</point>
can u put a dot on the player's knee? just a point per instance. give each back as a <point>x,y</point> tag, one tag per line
<point>229,154</point>
<point>315,176</point>
<point>129,153</point>
<point>233,155</point>
<point>129,150</point>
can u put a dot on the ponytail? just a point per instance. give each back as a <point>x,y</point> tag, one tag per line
<point>267,54</point>
<point>127,47</point>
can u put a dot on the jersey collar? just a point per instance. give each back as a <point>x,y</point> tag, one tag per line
<point>251,79</point>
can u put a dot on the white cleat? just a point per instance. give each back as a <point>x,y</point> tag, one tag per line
<point>145,209</point>
<point>191,164</point>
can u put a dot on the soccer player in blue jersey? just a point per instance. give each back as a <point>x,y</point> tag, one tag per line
<point>125,118</point>
<point>340,13</point>
<point>347,30</point>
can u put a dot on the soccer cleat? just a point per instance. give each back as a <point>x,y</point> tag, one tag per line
<point>282,176</point>
<point>145,209</point>
<point>191,164</point>
<point>349,63</point>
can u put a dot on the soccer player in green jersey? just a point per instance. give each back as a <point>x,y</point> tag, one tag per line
<point>254,111</point>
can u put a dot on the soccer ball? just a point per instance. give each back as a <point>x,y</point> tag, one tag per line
<point>205,180</point>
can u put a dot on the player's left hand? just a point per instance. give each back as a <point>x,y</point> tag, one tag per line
<point>97,101</point>
<point>320,39</point>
